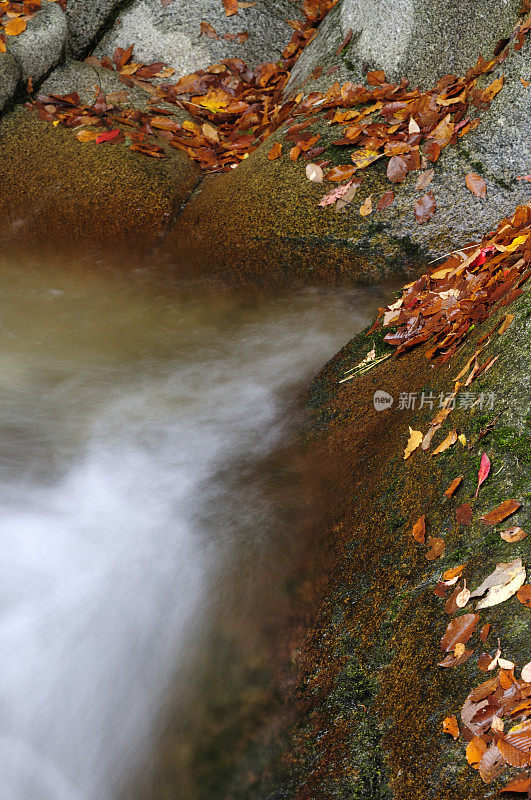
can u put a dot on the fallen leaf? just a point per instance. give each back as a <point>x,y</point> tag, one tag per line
<point>424,180</point>
<point>450,726</point>
<point>344,43</point>
<point>504,510</point>
<point>425,208</point>
<point>497,724</point>
<point>314,173</point>
<point>436,548</point>
<point>396,169</point>
<point>463,514</point>
<point>446,443</point>
<point>501,584</point>
<point>231,7</point>
<point>505,324</point>
<point>516,746</point>
<point>484,632</point>
<point>493,89</point>
<point>452,660</point>
<point>366,206</point>
<point>518,786</point>
<point>86,136</point>
<point>385,200</point>
<point>413,127</point>
<point>15,26</point>
<point>453,573</point>
<point>208,30</point>
<point>484,469</point>
<point>492,764</point>
<point>363,157</point>
<point>275,151</point>
<point>515,534</point>
<point>459,630</point>
<point>419,530</point>
<point>476,184</point>
<point>115,135</point>
<point>524,595</point>
<point>475,751</point>
<point>463,597</point>
<point>526,673</point>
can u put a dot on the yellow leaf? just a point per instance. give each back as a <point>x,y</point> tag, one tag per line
<point>505,324</point>
<point>415,438</point>
<point>446,443</point>
<point>515,243</point>
<point>462,438</point>
<point>86,136</point>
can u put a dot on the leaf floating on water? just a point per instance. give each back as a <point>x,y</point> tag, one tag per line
<point>450,726</point>
<point>453,486</point>
<point>425,208</point>
<point>484,469</point>
<point>463,514</point>
<point>524,595</point>
<point>476,184</point>
<point>459,630</point>
<point>503,511</point>
<point>436,548</point>
<point>515,534</point>
<point>501,584</point>
<point>419,530</point>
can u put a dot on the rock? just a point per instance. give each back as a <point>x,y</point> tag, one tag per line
<point>85,19</point>
<point>418,39</point>
<point>59,195</point>
<point>9,77</point>
<point>172,34</point>
<point>42,45</point>
<point>262,221</point>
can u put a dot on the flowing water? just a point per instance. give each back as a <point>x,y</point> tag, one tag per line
<point>135,426</point>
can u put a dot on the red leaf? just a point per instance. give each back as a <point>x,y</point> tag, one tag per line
<point>484,469</point>
<point>425,208</point>
<point>110,136</point>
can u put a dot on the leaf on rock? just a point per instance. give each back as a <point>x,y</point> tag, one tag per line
<point>419,530</point>
<point>314,173</point>
<point>363,157</point>
<point>484,469</point>
<point>484,632</point>
<point>492,764</point>
<point>493,89</point>
<point>446,443</point>
<point>366,206</point>
<point>501,584</point>
<point>475,750</point>
<point>453,486</point>
<point>450,726</point>
<point>115,135</point>
<point>425,208</point>
<point>505,324</point>
<point>275,151</point>
<point>516,746</point>
<point>463,514</point>
<point>515,534</point>
<point>503,511</point>
<point>435,548</point>
<point>526,673</point>
<point>457,658</point>
<point>15,26</point>
<point>208,30</point>
<point>463,597</point>
<point>459,630</point>
<point>231,7</point>
<point>396,169</point>
<point>524,595</point>
<point>385,200</point>
<point>518,786</point>
<point>424,179</point>
<point>476,184</point>
<point>85,136</point>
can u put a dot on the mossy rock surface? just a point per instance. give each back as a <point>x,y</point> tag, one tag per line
<point>369,694</point>
<point>60,196</point>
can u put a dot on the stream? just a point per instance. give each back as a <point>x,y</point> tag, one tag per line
<point>148,516</point>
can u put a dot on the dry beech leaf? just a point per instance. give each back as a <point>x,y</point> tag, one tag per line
<point>435,548</point>
<point>85,136</point>
<point>314,173</point>
<point>453,486</point>
<point>396,169</point>
<point>453,573</point>
<point>459,630</point>
<point>231,7</point>
<point>275,151</point>
<point>425,208</point>
<point>453,660</point>
<point>476,184</point>
<point>497,724</point>
<point>501,584</point>
<point>474,751</point>
<point>516,746</point>
<point>484,632</point>
<point>13,27</point>
<point>463,597</point>
<point>450,726</point>
<point>385,200</point>
<point>526,673</point>
<point>419,530</point>
<point>366,206</point>
<point>524,595</point>
<point>503,511</point>
<point>463,514</point>
<point>446,443</point>
<point>505,324</point>
<point>492,764</point>
<point>484,469</point>
<point>424,180</point>
<point>451,606</point>
<point>413,126</point>
<point>518,786</point>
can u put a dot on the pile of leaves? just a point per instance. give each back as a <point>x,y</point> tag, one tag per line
<point>444,304</point>
<point>15,15</point>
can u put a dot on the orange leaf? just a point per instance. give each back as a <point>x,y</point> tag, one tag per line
<point>231,7</point>
<point>275,151</point>
<point>476,184</point>
<point>524,595</point>
<point>15,26</point>
<point>419,530</point>
<point>515,534</point>
<point>366,206</point>
<point>504,510</point>
<point>453,486</point>
<point>450,726</point>
<point>474,751</point>
<point>436,548</point>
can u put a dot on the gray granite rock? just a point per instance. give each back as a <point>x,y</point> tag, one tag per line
<point>419,39</point>
<point>85,20</point>
<point>9,78</point>
<point>42,44</point>
<point>172,34</point>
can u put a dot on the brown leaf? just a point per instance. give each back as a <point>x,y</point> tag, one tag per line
<point>453,486</point>
<point>366,206</point>
<point>456,659</point>
<point>476,184</point>
<point>492,764</point>
<point>484,632</point>
<point>424,179</point>
<point>385,200</point>
<point>493,89</point>
<point>450,726</point>
<point>504,510</point>
<point>524,595</point>
<point>518,786</point>
<point>475,751</point>
<point>505,324</point>
<point>463,514</point>
<point>459,630</point>
<point>425,208</point>
<point>436,548</point>
<point>419,530</point>
<point>516,746</point>
<point>208,30</point>
<point>515,534</point>
<point>344,43</point>
<point>375,77</point>
<point>275,151</point>
<point>396,169</point>
<point>231,7</point>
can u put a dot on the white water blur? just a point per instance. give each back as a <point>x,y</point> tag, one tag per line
<point>117,411</point>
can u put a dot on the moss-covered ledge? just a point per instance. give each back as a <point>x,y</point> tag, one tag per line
<point>370,696</point>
